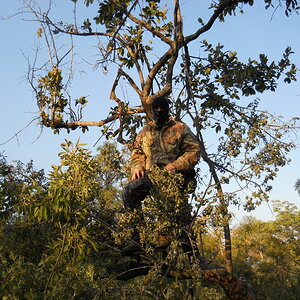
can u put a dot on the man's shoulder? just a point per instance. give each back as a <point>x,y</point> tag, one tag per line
<point>179,125</point>
<point>172,124</point>
<point>146,129</point>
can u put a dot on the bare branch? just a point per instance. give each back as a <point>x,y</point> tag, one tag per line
<point>16,134</point>
<point>218,11</point>
<point>130,80</point>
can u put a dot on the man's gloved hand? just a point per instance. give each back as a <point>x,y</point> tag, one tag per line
<point>137,174</point>
<point>170,167</point>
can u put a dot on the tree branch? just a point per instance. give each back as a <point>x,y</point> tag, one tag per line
<point>223,5</point>
<point>75,124</point>
<point>144,24</point>
<point>131,81</point>
<point>211,165</point>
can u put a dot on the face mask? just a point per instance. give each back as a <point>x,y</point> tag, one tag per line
<point>160,116</point>
<point>160,109</point>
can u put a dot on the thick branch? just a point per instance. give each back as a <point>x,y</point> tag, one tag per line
<point>75,124</point>
<point>155,69</point>
<point>178,26</point>
<point>166,90</point>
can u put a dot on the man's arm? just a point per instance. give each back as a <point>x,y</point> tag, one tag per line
<point>170,167</point>
<point>138,159</point>
<point>190,151</point>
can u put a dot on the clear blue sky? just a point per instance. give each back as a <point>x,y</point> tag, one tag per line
<point>257,31</point>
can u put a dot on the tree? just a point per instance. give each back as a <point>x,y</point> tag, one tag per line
<point>211,91</point>
<point>54,230</point>
<point>267,253</point>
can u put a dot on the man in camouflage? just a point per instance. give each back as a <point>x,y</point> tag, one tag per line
<point>164,142</point>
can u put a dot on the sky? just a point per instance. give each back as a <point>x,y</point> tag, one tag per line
<point>21,138</point>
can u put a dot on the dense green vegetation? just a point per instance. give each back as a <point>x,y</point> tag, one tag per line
<point>61,239</point>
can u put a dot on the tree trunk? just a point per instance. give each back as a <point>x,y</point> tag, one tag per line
<point>234,288</point>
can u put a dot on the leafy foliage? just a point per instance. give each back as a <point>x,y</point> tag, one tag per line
<point>49,230</point>
<point>267,253</point>
<point>66,252</point>
<point>213,92</point>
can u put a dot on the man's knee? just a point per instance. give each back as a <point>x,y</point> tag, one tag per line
<point>135,192</point>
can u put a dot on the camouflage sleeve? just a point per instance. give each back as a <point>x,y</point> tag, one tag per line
<point>190,151</point>
<point>138,157</point>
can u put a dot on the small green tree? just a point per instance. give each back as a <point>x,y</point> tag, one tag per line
<point>54,229</point>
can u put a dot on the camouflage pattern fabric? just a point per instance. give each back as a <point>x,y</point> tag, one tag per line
<point>174,143</point>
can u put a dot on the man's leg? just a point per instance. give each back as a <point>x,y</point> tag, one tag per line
<point>133,195</point>
<point>135,192</point>
<point>185,218</point>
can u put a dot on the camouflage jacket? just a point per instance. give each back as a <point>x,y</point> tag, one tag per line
<point>174,143</point>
